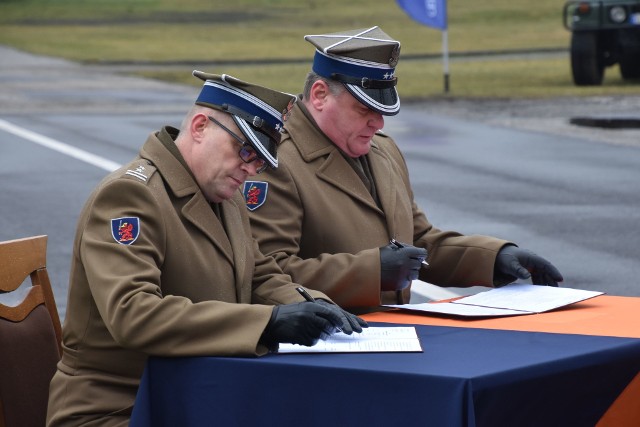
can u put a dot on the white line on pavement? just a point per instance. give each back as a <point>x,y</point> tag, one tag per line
<point>60,147</point>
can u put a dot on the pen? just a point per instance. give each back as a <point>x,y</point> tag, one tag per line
<point>302,291</point>
<point>305,294</point>
<point>397,244</point>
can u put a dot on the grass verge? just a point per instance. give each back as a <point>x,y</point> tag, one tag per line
<point>215,30</point>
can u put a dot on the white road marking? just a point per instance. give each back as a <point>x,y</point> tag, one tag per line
<point>60,147</point>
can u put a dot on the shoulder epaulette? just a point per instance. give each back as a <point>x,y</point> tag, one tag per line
<point>141,170</point>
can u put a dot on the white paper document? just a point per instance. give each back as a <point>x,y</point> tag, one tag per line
<point>371,340</point>
<point>510,300</point>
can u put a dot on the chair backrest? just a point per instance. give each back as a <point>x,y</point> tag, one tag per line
<point>30,334</point>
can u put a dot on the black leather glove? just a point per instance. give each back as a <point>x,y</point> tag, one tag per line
<point>350,322</point>
<point>514,263</point>
<point>400,264</point>
<point>302,323</point>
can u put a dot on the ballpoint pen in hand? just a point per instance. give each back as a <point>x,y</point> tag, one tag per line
<point>305,294</point>
<point>302,291</point>
<point>400,245</point>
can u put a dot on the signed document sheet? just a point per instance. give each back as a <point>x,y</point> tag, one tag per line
<point>371,340</point>
<point>510,300</point>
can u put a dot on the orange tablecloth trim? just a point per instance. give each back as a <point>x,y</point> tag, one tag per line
<point>604,315</point>
<point>625,409</point>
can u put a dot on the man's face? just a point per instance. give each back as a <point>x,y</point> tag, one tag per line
<point>349,123</point>
<point>218,168</point>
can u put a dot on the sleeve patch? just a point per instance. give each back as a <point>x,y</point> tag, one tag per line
<point>125,230</point>
<point>255,194</point>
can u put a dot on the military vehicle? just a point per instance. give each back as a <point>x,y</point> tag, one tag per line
<point>603,33</point>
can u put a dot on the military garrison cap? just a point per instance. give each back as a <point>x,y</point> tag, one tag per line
<point>364,61</point>
<point>257,111</point>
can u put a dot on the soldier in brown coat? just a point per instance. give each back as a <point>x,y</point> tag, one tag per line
<point>164,263</point>
<point>340,215</point>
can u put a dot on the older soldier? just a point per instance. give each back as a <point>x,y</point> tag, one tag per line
<point>340,215</point>
<point>164,263</point>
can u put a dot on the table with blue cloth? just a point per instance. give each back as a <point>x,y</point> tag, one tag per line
<point>471,373</point>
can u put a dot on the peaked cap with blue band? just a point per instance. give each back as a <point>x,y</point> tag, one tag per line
<point>364,61</point>
<point>259,112</point>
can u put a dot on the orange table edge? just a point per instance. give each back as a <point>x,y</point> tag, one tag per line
<point>604,315</point>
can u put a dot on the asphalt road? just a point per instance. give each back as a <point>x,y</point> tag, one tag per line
<point>558,191</point>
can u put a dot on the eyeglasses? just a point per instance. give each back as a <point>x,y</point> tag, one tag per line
<point>246,152</point>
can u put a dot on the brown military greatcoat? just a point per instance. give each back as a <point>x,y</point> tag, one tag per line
<point>189,284</point>
<point>324,228</point>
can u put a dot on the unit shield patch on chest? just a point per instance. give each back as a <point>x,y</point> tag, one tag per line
<point>255,194</point>
<point>125,230</point>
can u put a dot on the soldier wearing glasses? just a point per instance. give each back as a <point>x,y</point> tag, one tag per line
<point>164,263</point>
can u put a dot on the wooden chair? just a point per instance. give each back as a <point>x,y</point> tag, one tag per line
<point>30,334</point>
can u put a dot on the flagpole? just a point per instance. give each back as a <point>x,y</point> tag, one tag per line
<point>432,13</point>
<point>445,59</point>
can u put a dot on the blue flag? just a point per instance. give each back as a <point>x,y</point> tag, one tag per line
<point>432,13</point>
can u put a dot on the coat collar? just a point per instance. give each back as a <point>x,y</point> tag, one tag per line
<point>312,144</point>
<point>181,183</point>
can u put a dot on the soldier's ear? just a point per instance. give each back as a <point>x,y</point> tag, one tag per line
<point>199,123</point>
<point>319,94</point>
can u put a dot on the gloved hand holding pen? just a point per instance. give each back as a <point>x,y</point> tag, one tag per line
<point>350,322</point>
<point>400,263</point>
<point>299,323</point>
<point>307,322</point>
